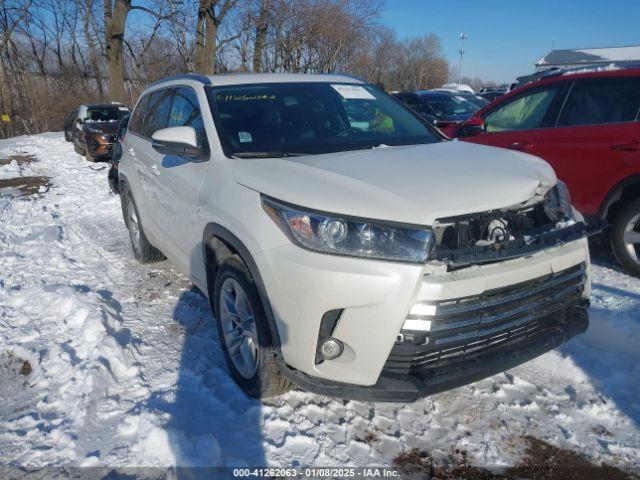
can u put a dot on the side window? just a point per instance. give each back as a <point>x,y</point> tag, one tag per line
<point>367,116</point>
<point>601,100</point>
<point>525,112</point>
<point>137,117</point>
<point>122,126</point>
<point>414,102</point>
<point>185,112</point>
<point>158,113</point>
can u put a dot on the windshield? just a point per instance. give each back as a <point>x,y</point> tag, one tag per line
<point>280,119</point>
<point>449,105</point>
<point>103,114</point>
<point>477,100</point>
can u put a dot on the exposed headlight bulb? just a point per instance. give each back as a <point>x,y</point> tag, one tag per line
<point>333,231</point>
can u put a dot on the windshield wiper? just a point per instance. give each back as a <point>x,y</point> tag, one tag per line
<point>273,154</point>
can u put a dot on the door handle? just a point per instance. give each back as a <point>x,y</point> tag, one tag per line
<point>132,152</point>
<point>154,169</point>
<point>626,147</point>
<point>520,146</point>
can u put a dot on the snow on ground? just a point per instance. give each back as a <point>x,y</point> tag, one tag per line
<point>127,371</point>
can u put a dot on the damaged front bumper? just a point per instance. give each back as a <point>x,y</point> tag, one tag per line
<point>461,257</point>
<point>450,342</point>
<point>408,387</point>
<point>410,330</point>
<point>100,146</point>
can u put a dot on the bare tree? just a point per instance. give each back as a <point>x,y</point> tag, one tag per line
<point>12,14</point>
<point>115,18</point>
<point>91,39</point>
<point>211,13</point>
<point>262,27</point>
<point>55,54</point>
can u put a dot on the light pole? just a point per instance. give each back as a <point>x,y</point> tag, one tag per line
<point>463,37</point>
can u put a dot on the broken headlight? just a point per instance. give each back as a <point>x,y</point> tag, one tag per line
<point>557,203</point>
<point>356,237</point>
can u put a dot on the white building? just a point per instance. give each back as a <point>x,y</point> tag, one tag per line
<point>589,57</point>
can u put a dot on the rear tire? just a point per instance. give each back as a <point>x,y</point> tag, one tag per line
<point>143,251</point>
<point>625,238</point>
<point>77,148</point>
<point>244,333</point>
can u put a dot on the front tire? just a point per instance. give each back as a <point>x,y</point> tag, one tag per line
<point>143,251</point>
<point>625,238</point>
<point>244,333</point>
<point>76,147</point>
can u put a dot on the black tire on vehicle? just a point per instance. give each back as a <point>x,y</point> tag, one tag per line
<point>113,180</point>
<point>143,251</point>
<point>77,148</point>
<point>625,238</point>
<point>265,379</point>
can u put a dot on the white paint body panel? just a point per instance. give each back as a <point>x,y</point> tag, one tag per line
<point>177,135</point>
<point>413,184</point>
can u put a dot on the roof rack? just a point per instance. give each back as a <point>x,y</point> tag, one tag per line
<point>184,76</point>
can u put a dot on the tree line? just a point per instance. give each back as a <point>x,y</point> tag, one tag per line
<point>56,54</point>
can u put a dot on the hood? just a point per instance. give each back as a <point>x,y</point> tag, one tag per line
<point>104,127</point>
<point>460,117</point>
<point>410,184</point>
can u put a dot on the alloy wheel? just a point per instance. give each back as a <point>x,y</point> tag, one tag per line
<point>239,328</point>
<point>631,237</point>
<point>133,224</point>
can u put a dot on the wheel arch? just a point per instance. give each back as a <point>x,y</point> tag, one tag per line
<point>122,178</point>
<point>218,244</point>
<point>618,196</point>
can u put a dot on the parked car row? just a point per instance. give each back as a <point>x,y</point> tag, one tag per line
<point>92,128</point>
<point>349,247</point>
<point>346,245</point>
<point>442,108</point>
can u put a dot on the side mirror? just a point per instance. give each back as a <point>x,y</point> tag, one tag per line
<point>473,125</point>
<point>181,141</point>
<point>442,123</point>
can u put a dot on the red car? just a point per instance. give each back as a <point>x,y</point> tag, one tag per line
<point>587,126</point>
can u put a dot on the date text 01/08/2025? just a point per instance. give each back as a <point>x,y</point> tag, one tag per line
<point>320,472</point>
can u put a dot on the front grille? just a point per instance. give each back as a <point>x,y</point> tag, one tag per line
<point>467,327</point>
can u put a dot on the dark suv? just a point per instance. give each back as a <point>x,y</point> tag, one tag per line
<point>586,125</point>
<point>94,129</point>
<point>442,108</point>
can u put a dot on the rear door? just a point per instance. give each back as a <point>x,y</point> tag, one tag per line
<point>177,181</point>
<point>596,139</point>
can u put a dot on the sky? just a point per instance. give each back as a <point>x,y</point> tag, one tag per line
<point>506,37</point>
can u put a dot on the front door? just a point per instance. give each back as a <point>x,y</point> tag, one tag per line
<point>520,122</point>
<point>177,182</point>
<point>140,148</point>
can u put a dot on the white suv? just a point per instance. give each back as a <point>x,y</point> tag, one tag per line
<point>345,245</point>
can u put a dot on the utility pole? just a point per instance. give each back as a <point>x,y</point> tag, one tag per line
<point>463,37</point>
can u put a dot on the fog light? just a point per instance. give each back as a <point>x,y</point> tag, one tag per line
<point>331,348</point>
